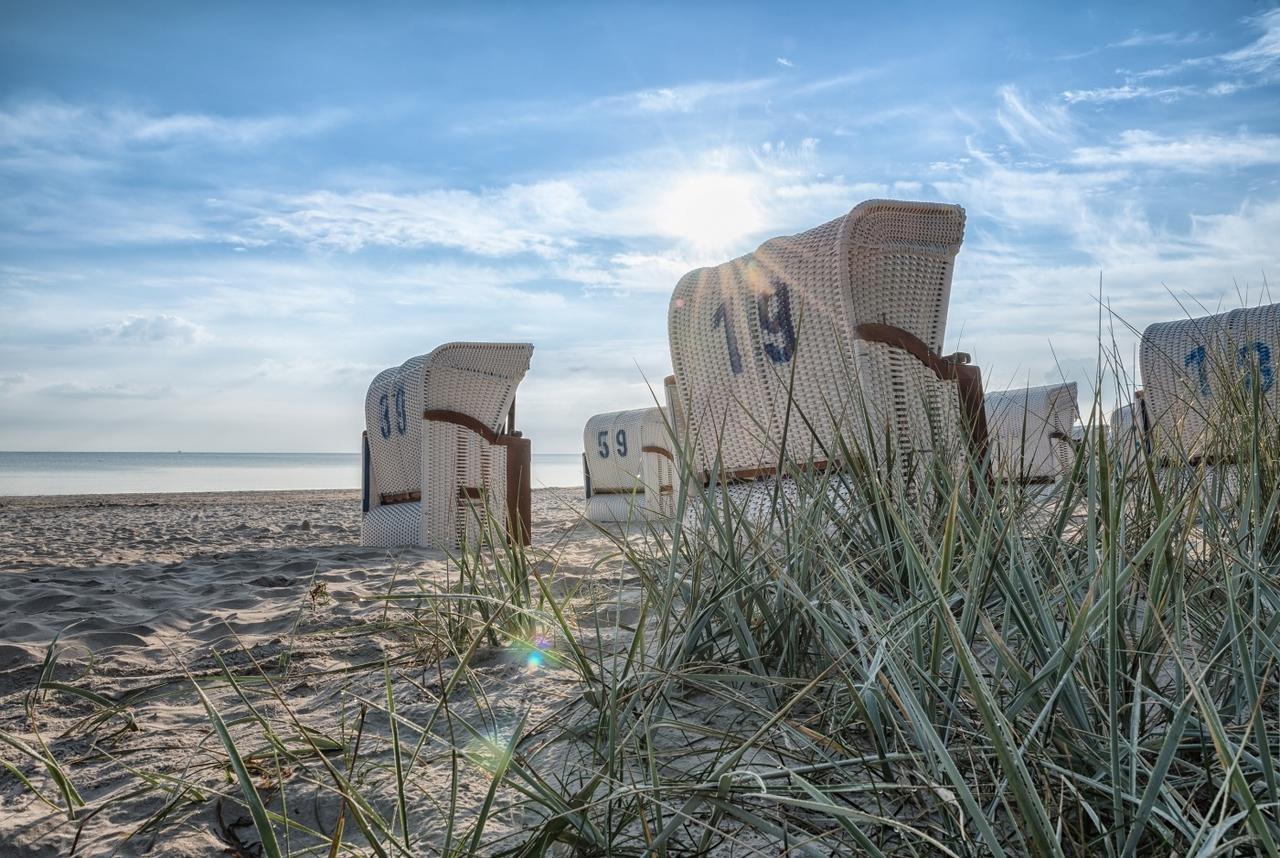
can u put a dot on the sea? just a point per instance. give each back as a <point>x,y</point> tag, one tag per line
<point>112,473</point>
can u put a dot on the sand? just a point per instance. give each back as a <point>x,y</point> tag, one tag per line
<point>143,590</point>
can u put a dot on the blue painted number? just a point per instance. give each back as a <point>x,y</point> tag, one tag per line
<point>602,443</point>
<point>1245,361</point>
<point>1196,357</point>
<point>730,339</point>
<point>402,419</point>
<point>384,425</point>
<point>773,308</point>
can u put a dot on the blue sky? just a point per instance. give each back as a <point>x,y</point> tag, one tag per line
<point>217,222</point>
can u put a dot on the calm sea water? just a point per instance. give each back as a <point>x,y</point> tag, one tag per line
<point>107,473</point>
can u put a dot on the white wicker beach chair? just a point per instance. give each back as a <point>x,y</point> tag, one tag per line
<point>1198,374</point>
<point>824,336</point>
<point>1030,432</point>
<point>391,495</point>
<point>442,458</point>
<point>629,470</point>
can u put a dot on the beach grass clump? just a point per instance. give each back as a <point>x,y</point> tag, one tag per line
<point>890,657</point>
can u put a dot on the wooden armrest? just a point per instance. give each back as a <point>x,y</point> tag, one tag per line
<point>943,368</point>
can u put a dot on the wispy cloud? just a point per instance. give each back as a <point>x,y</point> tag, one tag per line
<point>685,98</point>
<point>76,390</point>
<point>1258,60</point>
<point>1026,124</point>
<point>10,380</point>
<point>1263,55</point>
<point>1193,152</point>
<point>1128,92</point>
<point>784,62</point>
<point>150,330</point>
<point>56,125</point>
<point>515,219</point>
<point>1140,39</point>
<point>838,81</point>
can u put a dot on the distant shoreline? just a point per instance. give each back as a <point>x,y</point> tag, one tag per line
<point>145,498</point>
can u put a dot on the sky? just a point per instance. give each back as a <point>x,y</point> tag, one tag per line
<point>219,221</point>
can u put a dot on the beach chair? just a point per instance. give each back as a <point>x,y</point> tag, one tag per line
<point>442,458</point>
<point>829,335</point>
<point>628,468</point>
<point>1030,432</point>
<point>1200,377</point>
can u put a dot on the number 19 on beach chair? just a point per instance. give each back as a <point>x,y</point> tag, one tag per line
<point>823,339</point>
<point>442,460</point>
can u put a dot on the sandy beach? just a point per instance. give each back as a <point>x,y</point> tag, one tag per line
<point>143,590</point>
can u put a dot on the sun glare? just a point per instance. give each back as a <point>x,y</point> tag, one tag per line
<point>712,211</point>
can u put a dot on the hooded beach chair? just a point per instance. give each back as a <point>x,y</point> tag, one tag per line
<point>1030,432</point>
<point>628,468</point>
<point>442,459</point>
<point>830,335</point>
<point>1200,377</point>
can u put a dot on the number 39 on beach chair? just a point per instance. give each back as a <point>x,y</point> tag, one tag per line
<point>824,337</point>
<point>442,459</point>
<point>628,468</point>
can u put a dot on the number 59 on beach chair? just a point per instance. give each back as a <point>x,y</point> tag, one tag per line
<point>628,468</point>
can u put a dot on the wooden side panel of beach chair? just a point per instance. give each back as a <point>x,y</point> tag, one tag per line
<point>679,433</point>
<point>474,468</point>
<point>764,346</point>
<point>1031,432</point>
<point>658,467</point>
<point>1199,378</point>
<point>393,432</point>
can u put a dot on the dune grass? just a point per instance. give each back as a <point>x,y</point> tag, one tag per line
<point>963,668</point>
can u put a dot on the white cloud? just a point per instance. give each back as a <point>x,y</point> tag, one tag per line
<point>1262,55</point>
<point>149,330</point>
<point>1128,92</point>
<point>535,218</point>
<point>708,201</point>
<point>837,81</point>
<point>784,62</point>
<point>1026,124</point>
<point>1194,152</point>
<point>685,98</point>
<point>76,390</point>
<point>1259,59</point>
<point>1249,235</point>
<point>10,380</point>
<point>55,125</point>
<point>1140,39</point>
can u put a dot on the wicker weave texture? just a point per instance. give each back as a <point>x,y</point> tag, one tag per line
<point>463,475</point>
<point>393,421</point>
<point>1198,373</point>
<point>460,476</point>
<point>466,480</point>
<point>770,334</point>
<point>392,526</point>
<point>619,468</point>
<point>1020,426</point>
